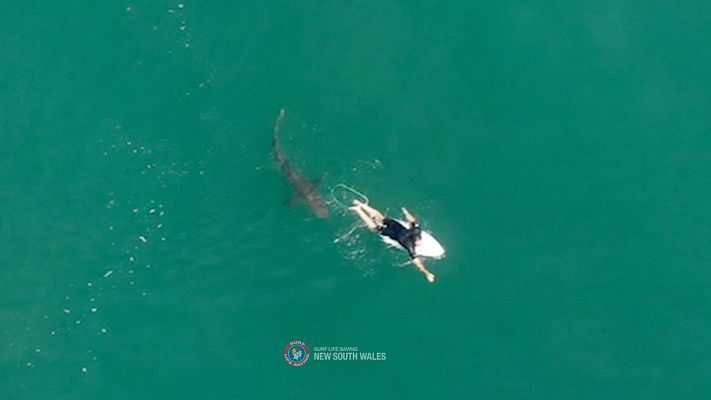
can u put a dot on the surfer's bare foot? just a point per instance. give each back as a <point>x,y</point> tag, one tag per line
<point>356,205</point>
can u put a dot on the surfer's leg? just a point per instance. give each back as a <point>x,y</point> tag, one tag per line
<point>365,217</point>
<point>376,215</point>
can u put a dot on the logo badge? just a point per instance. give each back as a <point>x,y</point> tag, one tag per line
<point>296,353</point>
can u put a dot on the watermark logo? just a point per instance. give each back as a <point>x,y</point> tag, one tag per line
<point>296,353</point>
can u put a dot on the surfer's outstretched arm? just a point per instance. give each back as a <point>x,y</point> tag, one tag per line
<point>410,218</point>
<point>421,266</point>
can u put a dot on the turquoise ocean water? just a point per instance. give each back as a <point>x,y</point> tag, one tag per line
<point>560,151</point>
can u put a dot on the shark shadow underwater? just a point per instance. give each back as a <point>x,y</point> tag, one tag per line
<point>305,191</point>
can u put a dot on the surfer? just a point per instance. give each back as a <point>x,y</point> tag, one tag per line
<point>406,237</point>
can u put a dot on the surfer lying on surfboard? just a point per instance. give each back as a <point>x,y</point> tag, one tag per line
<point>406,237</point>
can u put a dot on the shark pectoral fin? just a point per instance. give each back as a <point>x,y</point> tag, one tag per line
<point>294,200</point>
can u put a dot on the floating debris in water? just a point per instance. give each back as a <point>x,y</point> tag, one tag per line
<point>108,273</point>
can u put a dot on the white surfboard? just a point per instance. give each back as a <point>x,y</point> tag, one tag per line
<point>428,246</point>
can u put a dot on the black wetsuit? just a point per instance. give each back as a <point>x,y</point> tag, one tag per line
<point>397,232</point>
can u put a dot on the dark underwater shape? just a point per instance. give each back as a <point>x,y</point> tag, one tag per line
<point>304,190</point>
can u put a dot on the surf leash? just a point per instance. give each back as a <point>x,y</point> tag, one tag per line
<point>343,187</point>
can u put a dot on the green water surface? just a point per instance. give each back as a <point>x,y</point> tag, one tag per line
<point>560,151</point>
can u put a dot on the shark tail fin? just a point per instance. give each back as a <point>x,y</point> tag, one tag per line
<point>277,125</point>
<point>276,146</point>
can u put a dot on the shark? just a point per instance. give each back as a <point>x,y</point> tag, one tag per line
<point>305,191</point>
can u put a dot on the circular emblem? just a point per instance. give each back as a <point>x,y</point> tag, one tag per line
<point>296,353</point>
